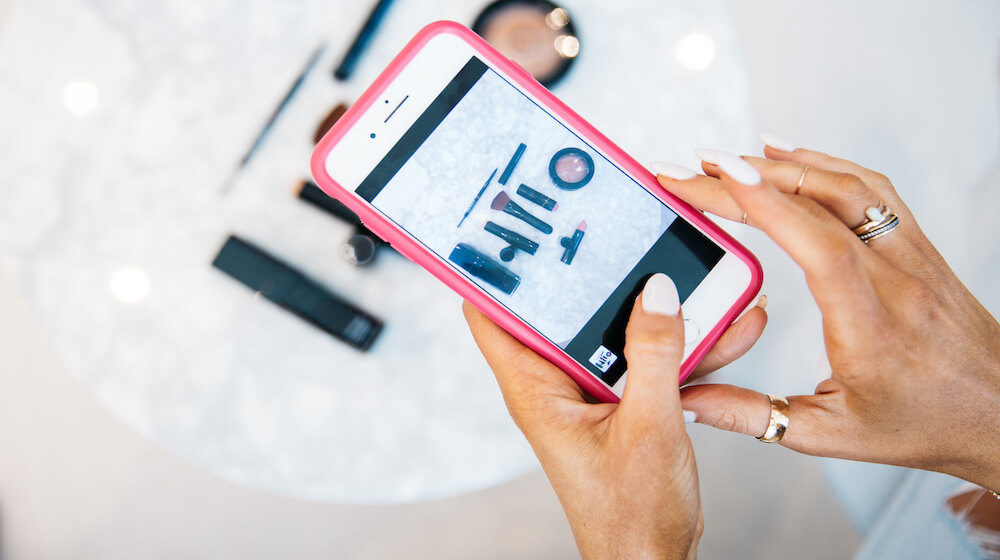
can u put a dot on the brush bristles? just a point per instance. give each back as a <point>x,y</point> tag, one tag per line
<point>500,201</point>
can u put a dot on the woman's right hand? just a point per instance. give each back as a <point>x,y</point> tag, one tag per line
<point>915,358</point>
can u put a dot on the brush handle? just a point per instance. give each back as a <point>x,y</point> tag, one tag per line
<point>514,209</point>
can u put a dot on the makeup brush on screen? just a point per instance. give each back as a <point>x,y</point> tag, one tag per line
<point>504,203</point>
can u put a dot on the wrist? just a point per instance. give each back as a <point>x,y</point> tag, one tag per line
<point>673,543</point>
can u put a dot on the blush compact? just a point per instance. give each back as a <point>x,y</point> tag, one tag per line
<point>571,169</point>
<point>537,34</point>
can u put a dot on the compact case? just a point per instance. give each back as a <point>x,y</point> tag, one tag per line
<point>464,287</point>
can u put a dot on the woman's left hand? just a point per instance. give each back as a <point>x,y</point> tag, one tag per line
<point>624,473</point>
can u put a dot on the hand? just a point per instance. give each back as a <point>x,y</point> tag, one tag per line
<point>915,358</point>
<point>624,473</point>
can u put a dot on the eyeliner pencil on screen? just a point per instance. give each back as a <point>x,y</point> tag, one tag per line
<point>476,200</point>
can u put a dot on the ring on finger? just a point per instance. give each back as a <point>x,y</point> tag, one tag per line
<point>778,423</point>
<point>802,179</point>
<point>744,220</point>
<point>879,221</point>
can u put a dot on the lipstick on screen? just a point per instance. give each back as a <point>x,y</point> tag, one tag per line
<point>571,244</point>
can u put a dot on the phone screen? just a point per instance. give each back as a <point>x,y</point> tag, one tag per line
<point>514,200</point>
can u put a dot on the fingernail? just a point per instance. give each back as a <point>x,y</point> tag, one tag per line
<point>690,416</point>
<point>709,156</point>
<point>660,296</point>
<point>762,301</point>
<point>778,143</point>
<point>676,172</point>
<point>737,168</point>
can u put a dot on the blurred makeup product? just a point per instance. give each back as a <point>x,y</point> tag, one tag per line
<point>362,247</point>
<point>571,168</point>
<point>331,119</point>
<point>309,192</point>
<point>485,268</point>
<point>571,244</point>
<point>536,34</point>
<point>296,85</point>
<point>293,291</point>
<point>537,197</point>
<point>503,202</point>
<point>516,240</point>
<point>512,164</point>
<point>478,196</point>
<point>350,60</point>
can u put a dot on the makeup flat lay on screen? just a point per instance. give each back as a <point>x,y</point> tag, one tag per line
<point>536,216</point>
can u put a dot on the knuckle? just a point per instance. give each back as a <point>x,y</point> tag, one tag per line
<point>649,345</point>
<point>851,185</point>
<point>840,255</point>
<point>731,418</point>
<point>881,180</point>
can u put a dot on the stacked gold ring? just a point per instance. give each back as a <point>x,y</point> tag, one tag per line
<point>880,221</point>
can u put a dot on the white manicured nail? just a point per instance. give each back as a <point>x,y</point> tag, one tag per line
<point>674,171</point>
<point>660,296</point>
<point>737,168</point>
<point>778,143</point>
<point>709,156</point>
<point>690,416</point>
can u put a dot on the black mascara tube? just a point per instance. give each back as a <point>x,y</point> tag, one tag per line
<point>293,291</point>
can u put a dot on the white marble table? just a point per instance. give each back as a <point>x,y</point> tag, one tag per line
<point>122,121</point>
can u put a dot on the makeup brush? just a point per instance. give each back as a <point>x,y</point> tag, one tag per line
<point>572,243</point>
<point>503,202</point>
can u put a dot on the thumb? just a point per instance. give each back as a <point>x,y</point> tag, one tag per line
<point>812,419</point>
<point>654,347</point>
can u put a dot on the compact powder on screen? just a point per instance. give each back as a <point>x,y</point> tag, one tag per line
<point>571,169</point>
<point>536,34</point>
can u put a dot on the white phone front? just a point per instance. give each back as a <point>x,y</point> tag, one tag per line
<point>491,181</point>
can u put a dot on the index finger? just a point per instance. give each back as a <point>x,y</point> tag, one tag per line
<point>818,242</point>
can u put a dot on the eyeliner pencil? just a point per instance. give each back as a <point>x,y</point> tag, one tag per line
<point>346,66</point>
<point>296,85</point>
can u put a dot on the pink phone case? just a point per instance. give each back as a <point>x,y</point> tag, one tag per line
<point>456,281</point>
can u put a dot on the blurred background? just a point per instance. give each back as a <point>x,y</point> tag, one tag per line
<point>152,407</point>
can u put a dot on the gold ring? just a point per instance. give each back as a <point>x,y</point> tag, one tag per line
<point>890,223</point>
<point>744,220</point>
<point>778,423</point>
<point>802,179</point>
<point>879,220</point>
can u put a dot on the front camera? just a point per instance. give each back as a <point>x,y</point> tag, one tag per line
<point>373,135</point>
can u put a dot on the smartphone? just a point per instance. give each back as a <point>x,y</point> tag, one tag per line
<point>467,166</point>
